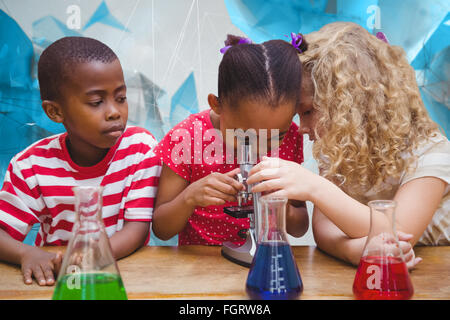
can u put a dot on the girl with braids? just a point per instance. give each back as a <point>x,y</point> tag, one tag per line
<point>373,139</point>
<point>259,89</point>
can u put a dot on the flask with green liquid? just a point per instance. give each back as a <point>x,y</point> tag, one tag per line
<point>89,270</point>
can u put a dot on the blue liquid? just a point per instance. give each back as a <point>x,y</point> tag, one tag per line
<point>274,274</point>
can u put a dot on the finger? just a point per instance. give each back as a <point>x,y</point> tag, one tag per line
<point>413,263</point>
<point>57,261</point>
<point>268,186</point>
<point>267,163</point>
<point>233,172</point>
<point>79,259</point>
<point>417,261</point>
<point>403,236</point>
<point>409,256</point>
<point>39,275</point>
<point>405,246</point>
<point>265,174</point>
<point>27,272</point>
<point>211,201</point>
<point>237,186</point>
<point>275,194</point>
<point>48,274</point>
<point>228,186</point>
<point>214,193</point>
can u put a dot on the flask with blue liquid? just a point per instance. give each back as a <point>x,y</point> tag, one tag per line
<point>273,273</point>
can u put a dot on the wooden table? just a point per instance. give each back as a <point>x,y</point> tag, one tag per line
<point>200,272</point>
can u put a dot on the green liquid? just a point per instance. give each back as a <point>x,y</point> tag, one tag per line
<point>90,286</point>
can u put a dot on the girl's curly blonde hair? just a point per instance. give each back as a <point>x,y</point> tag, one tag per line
<point>371,115</point>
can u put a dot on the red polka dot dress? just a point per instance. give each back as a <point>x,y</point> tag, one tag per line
<point>190,149</point>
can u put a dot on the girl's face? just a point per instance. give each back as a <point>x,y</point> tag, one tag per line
<point>308,115</point>
<point>267,122</point>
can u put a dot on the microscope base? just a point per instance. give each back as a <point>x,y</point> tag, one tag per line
<point>242,255</point>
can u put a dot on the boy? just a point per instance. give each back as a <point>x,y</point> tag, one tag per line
<point>82,87</point>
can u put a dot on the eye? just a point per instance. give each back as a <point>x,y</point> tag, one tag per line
<point>95,103</point>
<point>307,112</point>
<point>121,99</point>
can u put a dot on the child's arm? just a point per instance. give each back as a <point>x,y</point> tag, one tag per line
<point>17,215</point>
<point>177,199</point>
<point>297,219</point>
<point>34,261</point>
<point>332,240</point>
<point>416,200</point>
<point>131,237</point>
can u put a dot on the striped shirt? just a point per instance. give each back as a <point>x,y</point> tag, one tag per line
<point>39,180</point>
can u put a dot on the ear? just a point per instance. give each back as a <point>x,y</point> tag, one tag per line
<point>53,110</point>
<point>214,103</point>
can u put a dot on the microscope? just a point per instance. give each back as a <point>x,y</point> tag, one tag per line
<point>247,207</point>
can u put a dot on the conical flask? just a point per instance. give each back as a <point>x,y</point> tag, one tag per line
<point>382,272</point>
<point>273,273</point>
<point>89,270</point>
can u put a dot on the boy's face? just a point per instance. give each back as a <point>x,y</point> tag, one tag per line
<point>94,105</point>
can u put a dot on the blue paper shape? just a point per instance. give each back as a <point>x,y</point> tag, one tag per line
<point>437,41</point>
<point>103,15</point>
<point>437,111</point>
<point>49,29</point>
<point>16,54</point>
<point>143,106</point>
<point>274,19</point>
<point>22,120</point>
<point>184,101</point>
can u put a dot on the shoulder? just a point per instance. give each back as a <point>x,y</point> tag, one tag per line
<point>293,137</point>
<point>136,135</point>
<point>432,159</point>
<point>437,143</point>
<point>188,124</point>
<point>46,147</point>
<point>186,129</point>
<point>292,145</point>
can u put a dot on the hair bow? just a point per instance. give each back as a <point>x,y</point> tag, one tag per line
<point>296,41</point>
<point>241,40</point>
<point>380,35</point>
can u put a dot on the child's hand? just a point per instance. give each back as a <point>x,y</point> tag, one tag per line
<point>214,189</point>
<point>407,250</point>
<point>42,265</point>
<point>282,178</point>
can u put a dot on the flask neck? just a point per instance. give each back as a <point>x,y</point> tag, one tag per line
<point>273,228</point>
<point>88,205</point>
<point>382,238</point>
<point>382,219</point>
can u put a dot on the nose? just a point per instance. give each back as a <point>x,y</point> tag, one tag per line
<point>112,112</point>
<point>304,128</point>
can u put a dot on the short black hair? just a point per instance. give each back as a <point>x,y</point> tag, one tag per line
<point>269,72</point>
<point>58,60</point>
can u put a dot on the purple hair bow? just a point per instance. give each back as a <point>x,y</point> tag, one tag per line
<point>296,41</point>
<point>380,35</point>
<point>241,40</point>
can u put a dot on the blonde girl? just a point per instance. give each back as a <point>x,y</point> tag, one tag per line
<point>373,139</point>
